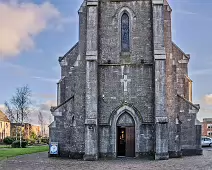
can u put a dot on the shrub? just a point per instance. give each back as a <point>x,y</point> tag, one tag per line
<point>8,140</point>
<point>31,141</point>
<point>16,144</point>
<point>45,140</point>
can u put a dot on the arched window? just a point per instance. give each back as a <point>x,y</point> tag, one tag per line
<point>125,33</point>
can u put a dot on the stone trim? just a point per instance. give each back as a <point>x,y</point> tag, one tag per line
<point>91,58</point>
<point>57,113</point>
<point>55,108</point>
<point>61,80</point>
<point>82,6</point>
<point>122,109</point>
<point>160,57</point>
<point>63,62</point>
<point>91,79</point>
<point>120,11</point>
<point>92,2</point>
<point>131,15</point>
<point>159,52</point>
<point>113,122</point>
<point>161,120</point>
<point>91,53</point>
<point>183,61</point>
<point>91,121</point>
<point>158,2</point>
<point>53,124</point>
<point>195,106</point>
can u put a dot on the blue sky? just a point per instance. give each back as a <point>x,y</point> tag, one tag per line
<point>40,31</point>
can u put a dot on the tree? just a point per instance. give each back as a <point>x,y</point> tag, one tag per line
<point>20,109</point>
<point>41,122</point>
<point>33,136</point>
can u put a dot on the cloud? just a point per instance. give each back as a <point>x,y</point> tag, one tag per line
<point>185,12</point>
<point>201,72</point>
<point>205,107</point>
<point>44,96</point>
<point>204,113</point>
<point>2,108</point>
<point>44,108</point>
<point>208,99</point>
<point>21,22</point>
<point>47,105</point>
<point>19,70</point>
<point>45,79</point>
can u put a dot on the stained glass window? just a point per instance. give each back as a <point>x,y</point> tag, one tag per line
<point>125,34</point>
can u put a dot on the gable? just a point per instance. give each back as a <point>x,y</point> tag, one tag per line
<point>71,56</point>
<point>3,117</point>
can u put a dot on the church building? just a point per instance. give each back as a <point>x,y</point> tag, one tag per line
<point>124,89</point>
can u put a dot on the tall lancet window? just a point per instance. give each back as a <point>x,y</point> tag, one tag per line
<point>125,33</point>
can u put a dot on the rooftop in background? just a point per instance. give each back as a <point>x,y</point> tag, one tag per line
<point>3,117</point>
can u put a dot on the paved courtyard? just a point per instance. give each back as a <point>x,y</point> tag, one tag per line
<point>40,161</point>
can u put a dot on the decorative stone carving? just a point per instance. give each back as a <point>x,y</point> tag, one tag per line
<point>125,120</point>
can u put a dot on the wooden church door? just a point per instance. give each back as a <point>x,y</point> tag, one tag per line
<point>130,142</point>
<point>126,136</point>
<point>126,141</point>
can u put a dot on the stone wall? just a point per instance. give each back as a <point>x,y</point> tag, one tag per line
<point>68,127</point>
<point>92,74</point>
<point>187,111</point>
<point>171,83</point>
<point>137,65</point>
<point>141,48</point>
<point>140,13</point>
<point>140,90</point>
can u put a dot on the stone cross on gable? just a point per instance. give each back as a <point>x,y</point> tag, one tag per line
<point>125,81</point>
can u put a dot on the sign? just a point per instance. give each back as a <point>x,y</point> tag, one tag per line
<point>53,148</point>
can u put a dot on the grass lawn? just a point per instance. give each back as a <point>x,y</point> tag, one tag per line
<point>5,146</point>
<point>11,152</point>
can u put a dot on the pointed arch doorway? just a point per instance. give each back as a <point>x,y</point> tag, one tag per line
<point>125,135</point>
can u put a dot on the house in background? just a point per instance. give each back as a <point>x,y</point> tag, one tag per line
<point>27,129</point>
<point>4,126</point>
<point>207,127</point>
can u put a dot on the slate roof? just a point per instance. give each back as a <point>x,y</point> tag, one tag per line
<point>3,117</point>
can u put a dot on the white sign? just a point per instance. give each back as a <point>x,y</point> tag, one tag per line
<point>53,148</point>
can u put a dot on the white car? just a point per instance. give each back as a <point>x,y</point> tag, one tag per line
<point>206,141</point>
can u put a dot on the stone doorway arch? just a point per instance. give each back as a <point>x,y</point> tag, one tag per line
<point>125,135</point>
<point>129,117</point>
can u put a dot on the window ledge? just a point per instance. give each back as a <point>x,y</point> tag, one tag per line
<point>125,53</point>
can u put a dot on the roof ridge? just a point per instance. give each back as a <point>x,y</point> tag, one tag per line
<point>186,55</point>
<point>61,58</point>
<point>3,117</point>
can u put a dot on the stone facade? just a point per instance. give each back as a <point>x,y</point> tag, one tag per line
<point>146,87</point>
<point>207,127</point>
<point>4,126</point>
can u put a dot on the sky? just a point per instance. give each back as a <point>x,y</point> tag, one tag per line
<point>34,33</point>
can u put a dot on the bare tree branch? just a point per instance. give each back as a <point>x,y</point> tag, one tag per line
<point>20,106</point>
